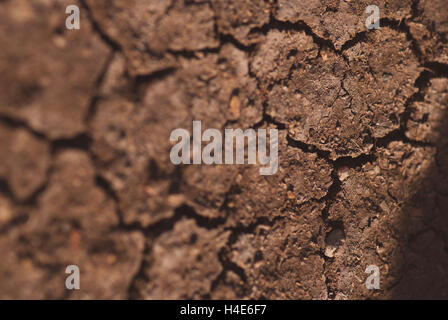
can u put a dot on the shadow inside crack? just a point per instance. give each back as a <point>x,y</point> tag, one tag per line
<point>419,261</point>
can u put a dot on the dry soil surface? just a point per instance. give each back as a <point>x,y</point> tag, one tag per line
<point>86,178</point>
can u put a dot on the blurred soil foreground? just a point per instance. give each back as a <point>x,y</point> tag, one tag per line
<point>86,177</point>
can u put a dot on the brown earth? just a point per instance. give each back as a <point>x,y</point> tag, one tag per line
<point>86,179</point>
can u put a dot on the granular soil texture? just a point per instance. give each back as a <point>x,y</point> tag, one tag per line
<point>86,177</point>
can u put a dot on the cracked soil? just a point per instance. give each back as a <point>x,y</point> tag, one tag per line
<point>86,178</point>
